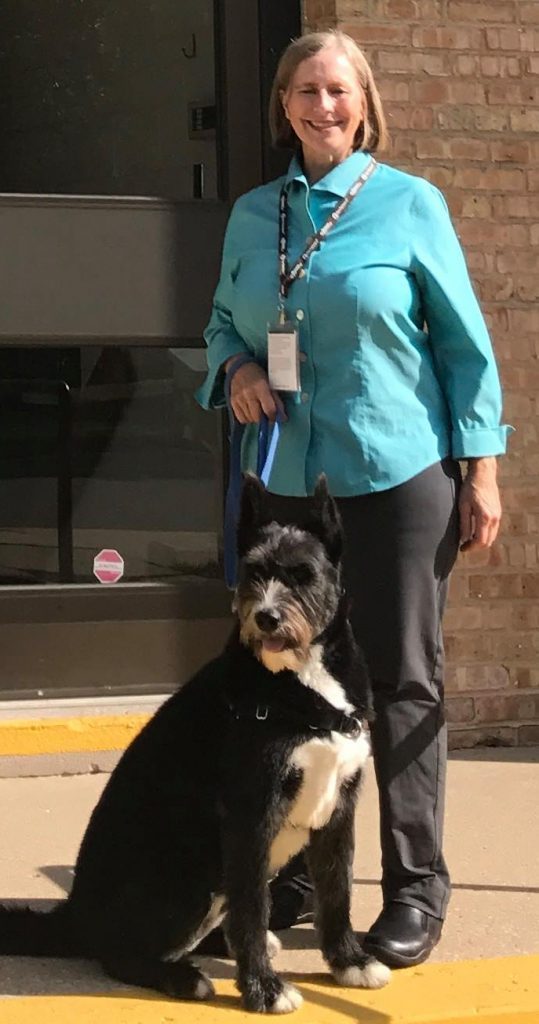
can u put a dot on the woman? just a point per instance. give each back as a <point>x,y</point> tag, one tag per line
<point>397,382</point>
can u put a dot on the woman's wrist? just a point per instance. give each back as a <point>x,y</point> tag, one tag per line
<point>484,465</point>
<point>233,359</point>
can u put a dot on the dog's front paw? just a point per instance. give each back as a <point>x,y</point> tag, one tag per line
<point>289,999</point>
<point>268,994</point>
<point>367,972</point>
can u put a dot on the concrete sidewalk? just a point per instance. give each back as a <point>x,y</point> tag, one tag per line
<point>492,843</point>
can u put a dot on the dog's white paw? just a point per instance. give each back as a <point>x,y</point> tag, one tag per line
<point>288,1000</point>
<point>273,945</point>
<point>372,974</point>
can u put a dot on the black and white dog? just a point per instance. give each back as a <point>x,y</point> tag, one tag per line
<point>257,757</point>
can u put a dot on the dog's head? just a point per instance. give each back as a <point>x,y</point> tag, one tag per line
<point>289,577</point>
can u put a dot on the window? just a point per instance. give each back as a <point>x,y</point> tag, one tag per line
<point>105,448</point>
<point>108,98</point>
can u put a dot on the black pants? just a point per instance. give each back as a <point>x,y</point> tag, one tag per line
<point>401,545</point>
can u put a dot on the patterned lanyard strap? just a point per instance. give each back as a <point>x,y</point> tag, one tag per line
<point>287,275</point>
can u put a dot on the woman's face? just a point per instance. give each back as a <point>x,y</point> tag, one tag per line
<point>325,105</point>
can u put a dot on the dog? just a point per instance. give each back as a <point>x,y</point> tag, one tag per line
<point>257,757</point>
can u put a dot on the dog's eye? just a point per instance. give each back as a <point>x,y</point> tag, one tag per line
<point>253,574</point>
<point>301,574</point>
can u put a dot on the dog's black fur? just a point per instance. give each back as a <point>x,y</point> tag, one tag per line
<point>189,817</point>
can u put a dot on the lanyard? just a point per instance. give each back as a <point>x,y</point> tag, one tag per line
<point>287,275</point>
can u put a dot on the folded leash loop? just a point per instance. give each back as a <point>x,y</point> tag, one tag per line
<point>267,446</point>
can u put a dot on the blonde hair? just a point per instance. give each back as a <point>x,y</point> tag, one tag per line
<point>372,132</point>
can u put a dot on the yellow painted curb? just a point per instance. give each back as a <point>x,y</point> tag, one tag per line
<point>69,735</point>
<point>501,991</point>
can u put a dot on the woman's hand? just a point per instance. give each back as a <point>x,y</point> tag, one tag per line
<point>479,505</point>
<point>251,396</point>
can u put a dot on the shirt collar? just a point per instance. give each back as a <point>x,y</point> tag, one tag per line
<point>338,180</point>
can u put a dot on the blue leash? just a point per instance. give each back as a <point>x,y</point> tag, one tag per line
<point>267,446</point>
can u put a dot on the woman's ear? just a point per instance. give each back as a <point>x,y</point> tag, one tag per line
<point>282,97</point>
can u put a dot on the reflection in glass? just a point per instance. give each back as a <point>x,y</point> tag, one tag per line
<point>105,447</point>
<point>108,98</point>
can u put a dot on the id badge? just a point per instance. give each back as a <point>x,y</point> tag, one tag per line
<point>283,357</point>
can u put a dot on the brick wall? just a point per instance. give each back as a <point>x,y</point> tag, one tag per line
<point>460,83</point>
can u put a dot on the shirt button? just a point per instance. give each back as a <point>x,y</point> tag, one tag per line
<point>299,314</point>
<point>305,396</point>
<point>303,357</point>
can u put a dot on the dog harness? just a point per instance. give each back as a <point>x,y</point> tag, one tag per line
<point>318,719</point>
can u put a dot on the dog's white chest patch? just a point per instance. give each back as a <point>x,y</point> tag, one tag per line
<point>325,764</point>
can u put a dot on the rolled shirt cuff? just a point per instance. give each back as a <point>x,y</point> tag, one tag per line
<point>476,442</point>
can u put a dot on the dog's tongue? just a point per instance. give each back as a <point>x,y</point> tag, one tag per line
<point>273,643</point>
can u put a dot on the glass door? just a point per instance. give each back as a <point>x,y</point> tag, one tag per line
<point>126,132</point>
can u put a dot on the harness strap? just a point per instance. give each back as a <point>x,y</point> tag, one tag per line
<point>316,720</point>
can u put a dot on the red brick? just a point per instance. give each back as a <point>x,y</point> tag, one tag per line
<point>474,646</point>
<point>514,93</point>
<point>500,67</point>
<point>503,39</point>
<point>496,288</point>
<point>422,119</point>
<point>457,119</point>
<point>431,91</point>
<point>501,179</point>
<point>430,146</point>
<point>447,38</point>
<point>529,13</point>
<point>393,89</point>
<point>528,735</point>
<point>406,9</point>
<point>439,176</point>
<point>509,151</point>
<point>432,64</point>
<point>459,710</point>
<point>468,149</point>
<point>491,120</point>
<point>477,12</point>
<point>467,64</point>
<point>528,262</point>
<point>499,708</point>
<point>524,120</point>
<point>524,320</point>
<point>527,287</point>
<point>398,62</point>
<point>497,585</point>
<point>485,677</point>
<point>525,616</point>
<point>369,35</point>
<point>486,736</point>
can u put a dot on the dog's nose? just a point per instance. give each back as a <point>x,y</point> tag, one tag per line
<point>268,621</point>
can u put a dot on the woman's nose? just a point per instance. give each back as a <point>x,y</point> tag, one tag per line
<point>324,100</point>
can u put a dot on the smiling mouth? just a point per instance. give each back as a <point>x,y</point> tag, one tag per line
<point>324,125</point>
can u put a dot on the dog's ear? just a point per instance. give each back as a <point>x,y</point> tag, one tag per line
<point>325,521</point>
<point>254,512</point>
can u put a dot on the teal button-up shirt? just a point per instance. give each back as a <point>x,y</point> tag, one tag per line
<point>397,368</point>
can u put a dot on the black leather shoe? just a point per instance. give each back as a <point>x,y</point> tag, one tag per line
<point>292,901</point>
<point>402,936</point>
